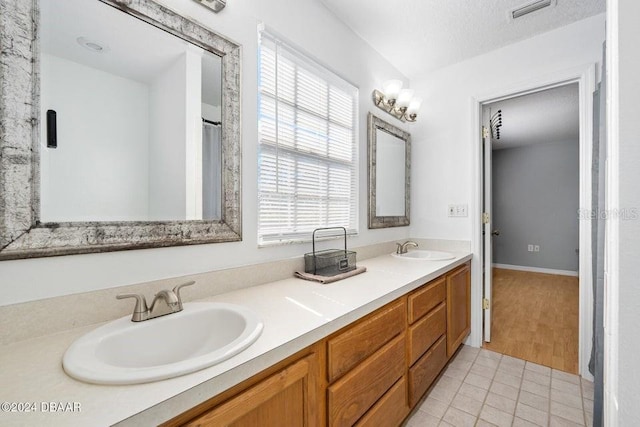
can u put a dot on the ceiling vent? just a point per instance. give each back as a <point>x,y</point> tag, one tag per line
<point>526,9</point>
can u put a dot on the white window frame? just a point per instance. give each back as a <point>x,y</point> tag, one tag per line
<point>297,235</point>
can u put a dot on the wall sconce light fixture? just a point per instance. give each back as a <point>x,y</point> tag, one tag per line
<point>398,102</point>
<point>215,5</point>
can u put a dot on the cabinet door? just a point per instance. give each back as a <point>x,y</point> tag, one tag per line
<point>287,398</point>
<point>458,307</point>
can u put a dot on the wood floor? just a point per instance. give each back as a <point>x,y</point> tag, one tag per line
<point>535,318</point>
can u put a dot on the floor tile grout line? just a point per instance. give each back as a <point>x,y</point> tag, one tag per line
<point>485,398</point>
<point>440,419</point>
<point>584,412</point>
<point>549,411</point>
<point>460,386</point>
<point>515,410</point>
<point>484,402</point>
<point>581,400</point>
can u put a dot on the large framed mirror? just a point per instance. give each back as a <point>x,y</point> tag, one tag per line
<point>120,124</point>
<point>389,174</point>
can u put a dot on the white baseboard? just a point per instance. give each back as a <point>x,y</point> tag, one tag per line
<point>536,269</point>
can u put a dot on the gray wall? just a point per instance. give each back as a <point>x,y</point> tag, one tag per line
<point>535,201</point>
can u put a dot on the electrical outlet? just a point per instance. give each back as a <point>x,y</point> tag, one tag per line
<point>457,210</point>
<point>530,248</point>
<point>536,248</point>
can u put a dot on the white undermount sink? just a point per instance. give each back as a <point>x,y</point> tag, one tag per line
<point>423,255</point>
<point>125,352</point>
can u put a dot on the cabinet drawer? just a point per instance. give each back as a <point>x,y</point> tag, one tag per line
<point>422,374</point>
<point>352,395</point>
<point>426,298</point>
<point>358,342</point>
<point>426,331</point>
<point>390,410</point>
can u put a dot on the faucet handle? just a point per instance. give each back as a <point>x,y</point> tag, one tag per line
<point>398,248</point>
<point>176,290</point>
<point>141,305</point>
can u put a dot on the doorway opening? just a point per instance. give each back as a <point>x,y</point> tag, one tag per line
<point>531,195</point>
<point>482,312</point>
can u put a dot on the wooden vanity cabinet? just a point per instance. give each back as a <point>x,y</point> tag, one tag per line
<point>458,307</point>
<point>370,373</point>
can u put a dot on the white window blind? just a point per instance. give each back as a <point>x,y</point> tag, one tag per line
<point>307,173</point>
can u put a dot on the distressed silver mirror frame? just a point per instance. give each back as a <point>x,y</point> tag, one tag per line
<point>22,234</point>
<point>375,123</point>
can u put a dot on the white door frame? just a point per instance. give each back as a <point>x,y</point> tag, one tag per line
<point>487,235</point>
<point>585,76</point>
<point>612,237</point>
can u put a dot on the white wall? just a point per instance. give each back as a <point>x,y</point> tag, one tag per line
<point>442,137</point>
<point>390,174</point>
<point>99,170</point>
<point>167,149</point>
<point>321,35</point>
<point>193,138</point>
<point>624,97</point>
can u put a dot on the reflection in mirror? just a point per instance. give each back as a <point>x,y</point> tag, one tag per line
<point>137,115</point>
<point>389,174</point>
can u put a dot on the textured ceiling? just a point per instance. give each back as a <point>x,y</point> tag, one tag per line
<point>548,116</point>
<point>418,36</point>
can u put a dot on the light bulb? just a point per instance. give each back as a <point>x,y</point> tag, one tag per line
<point>414,105</point>
<point>404,99</point>
<point>391,89</point>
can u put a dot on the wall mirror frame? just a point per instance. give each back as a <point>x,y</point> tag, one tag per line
<point>22,233</point>
<point>376,219</point>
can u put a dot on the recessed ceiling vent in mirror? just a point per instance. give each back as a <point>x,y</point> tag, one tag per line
<point>526,9</point>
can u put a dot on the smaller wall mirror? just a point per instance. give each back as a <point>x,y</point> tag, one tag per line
<point>389,174</point>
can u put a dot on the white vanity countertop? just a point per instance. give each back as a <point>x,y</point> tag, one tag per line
<point>296,313</point>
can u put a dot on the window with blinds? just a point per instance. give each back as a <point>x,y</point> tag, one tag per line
<point>307,160</point>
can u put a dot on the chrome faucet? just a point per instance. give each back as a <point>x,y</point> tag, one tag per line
<point>402,247</point>
<point>164,302</point>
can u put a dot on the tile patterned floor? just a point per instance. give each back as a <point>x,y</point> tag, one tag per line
<point>484,388</point>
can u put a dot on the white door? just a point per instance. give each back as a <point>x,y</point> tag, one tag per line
<point>486,230</point>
